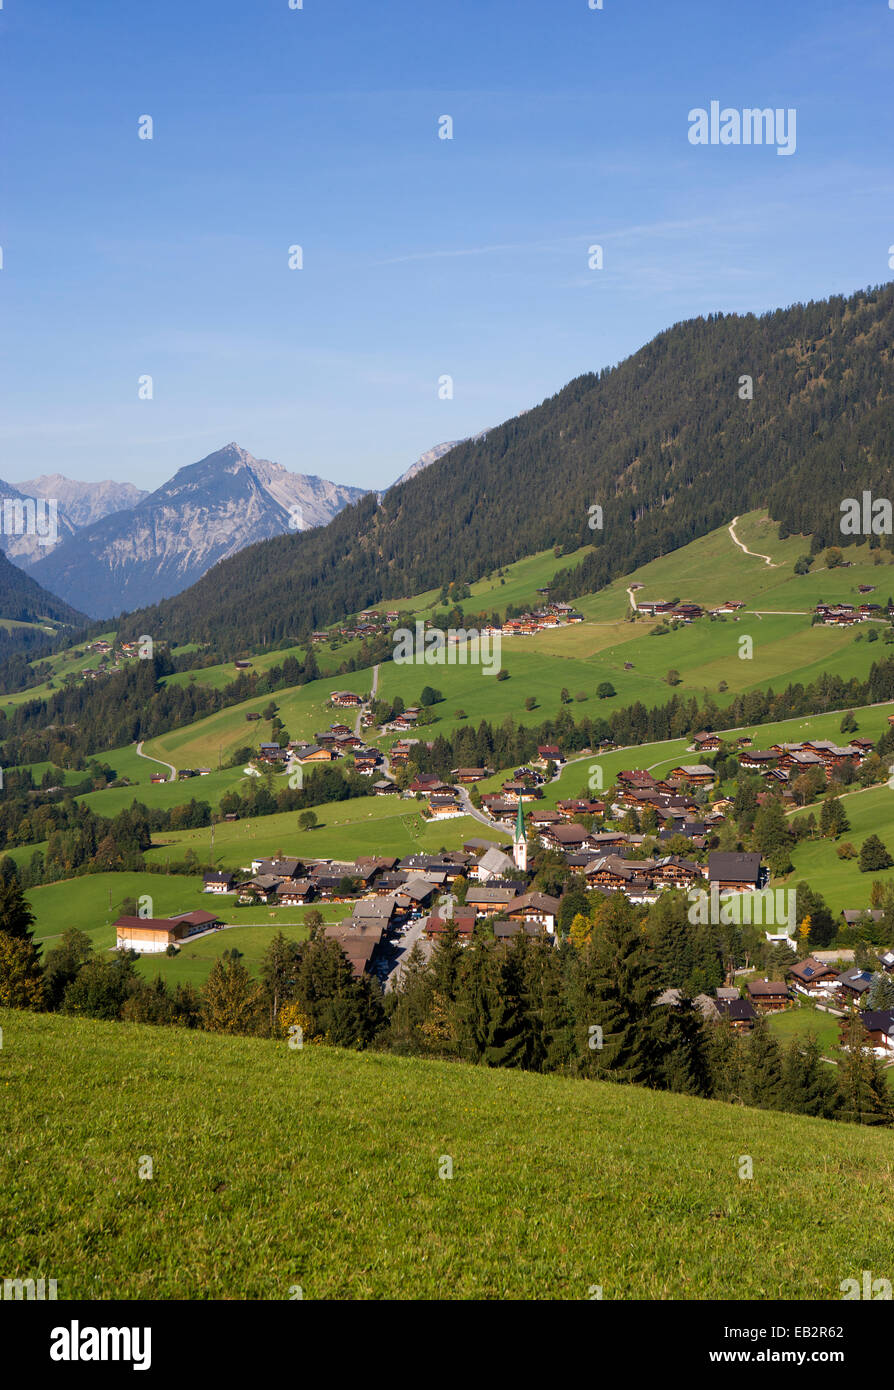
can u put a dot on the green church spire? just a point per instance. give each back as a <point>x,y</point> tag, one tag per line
<point>520,823</point>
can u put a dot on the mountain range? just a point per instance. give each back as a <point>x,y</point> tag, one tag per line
<point>120,547</point>
<point>117,546</point>
<point>791,411</point>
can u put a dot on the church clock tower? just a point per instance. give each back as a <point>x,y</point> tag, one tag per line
<point>520,840</point>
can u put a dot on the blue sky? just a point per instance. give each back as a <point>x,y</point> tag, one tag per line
<point>422,257</point>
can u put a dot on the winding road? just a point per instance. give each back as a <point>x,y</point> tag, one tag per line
<point>170,766</point>
<point>756,553</point>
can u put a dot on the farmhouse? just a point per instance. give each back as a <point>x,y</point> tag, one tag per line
<point>221,882</point>
<point>152,935</point>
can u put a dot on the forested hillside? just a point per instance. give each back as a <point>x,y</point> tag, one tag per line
<point>664,443</point>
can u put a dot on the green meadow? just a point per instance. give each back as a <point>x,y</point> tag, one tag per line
<point>383,825</point>
<point>319,1173</point>
<point>870,812</point>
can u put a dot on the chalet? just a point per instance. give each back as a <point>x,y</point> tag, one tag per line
<point>576,807</point>
<point>768,996</point>
<point>544,817</point>
<point>812,976</point>
<point>603,840</point>
<point>487,901</point>
<point>443,805</point>
<point>252,715</point>
<point>315,754</point>
<point>568,837</point>
<point>415,893</point>
<point>879,1027</point>
<point>731,870</point>
<point>654,607</point>
<point>539,908</point>
<point>425,782</point>
<point>385,788</point>
<point>739,1013</point>
<point>696,774</point>
<point>375,910</point>
<point>635,777</point>
<point>466,775</point>
<point>549,753</point>
<point>854,984</point>
<point>151,935</point>
<point>754,760</point>
<point>687,611</point>
<point>345,699</point>
<point>272,753</point>
<point>676,872</point>
<point>358,942</point>
<point>242,665</point>
<point>260,888</point>
<point>220,882</point>
<point>706,743</point>
<point>624,876</point>
<point>505,930</point>
<point>853,916</point>
<point>292,892</point>
<point>158,777</point>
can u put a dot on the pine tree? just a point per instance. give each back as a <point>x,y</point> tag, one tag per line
<point>475,997</point>
<point>446,962</point>
<point>279,973</point>
<point>413,999</point>
<point>808,1084</point>
<point>16,917</point>
<point>873,855</point>
<point>762,1077</point>
<point>615,990</point>
<point>508,1038</point>
<point>725,1061</point>
<point>683,1047</point>
<point>865,1099</point>
<point>881,992</point>
<point>833,818</point>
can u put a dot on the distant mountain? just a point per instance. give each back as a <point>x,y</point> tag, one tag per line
<point>83,503</point>
<point>431,456</point>
<point>664,443</point>
<point>29,527</point>
<point>208,511</point>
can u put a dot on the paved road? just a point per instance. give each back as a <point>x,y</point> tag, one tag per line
<point>170,766</point>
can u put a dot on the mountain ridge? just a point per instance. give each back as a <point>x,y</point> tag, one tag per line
<point>208,511</point>
<point>663,442</point>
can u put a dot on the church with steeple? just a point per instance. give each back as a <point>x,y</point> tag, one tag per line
<point>520,840</point>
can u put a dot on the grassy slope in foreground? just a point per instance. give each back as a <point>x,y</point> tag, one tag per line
<point>319,1167</point>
